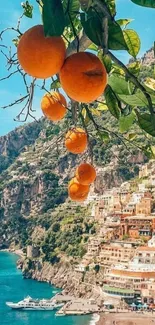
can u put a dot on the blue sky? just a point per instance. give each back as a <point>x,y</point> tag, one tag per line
<point>11,89</point>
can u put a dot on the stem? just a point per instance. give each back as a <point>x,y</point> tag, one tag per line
<point>105,35</point>
<point>90,150</point>
<point>103,9</point>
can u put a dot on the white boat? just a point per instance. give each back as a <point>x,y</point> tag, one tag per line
<point>35,304</point>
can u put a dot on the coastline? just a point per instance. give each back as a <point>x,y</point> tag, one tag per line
<point>95,319</point>
<point>18,252</point>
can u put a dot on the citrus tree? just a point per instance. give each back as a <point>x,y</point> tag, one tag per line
<point>74,52</point>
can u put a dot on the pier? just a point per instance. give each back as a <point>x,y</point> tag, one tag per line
<point>76,306</point>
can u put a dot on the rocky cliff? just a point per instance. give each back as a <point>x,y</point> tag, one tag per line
<point>64,276</point>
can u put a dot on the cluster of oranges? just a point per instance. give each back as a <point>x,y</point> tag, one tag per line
<point>78,188</point>
<point>83,77</point>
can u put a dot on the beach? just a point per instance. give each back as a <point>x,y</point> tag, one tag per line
<point>18,252</point>
<point>127,319</point>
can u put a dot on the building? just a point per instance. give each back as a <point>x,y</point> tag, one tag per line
<point>93,246</point>
<point>136,226</point>
<point>151,242</point>
<point>81,267</point>
<point>138,276</point>
<point>112,255</point>
<point>33,251</point>
<point>144,206</point>
<point>143,171</point>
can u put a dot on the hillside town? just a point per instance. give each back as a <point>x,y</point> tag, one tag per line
<point>125,243</point>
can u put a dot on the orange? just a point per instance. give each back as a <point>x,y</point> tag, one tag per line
<point>76,140</point>
<point>40,56</point>
<point>85,174</point>
<point>83,77</point>
<point>77,191</point>
<point>54,106</point>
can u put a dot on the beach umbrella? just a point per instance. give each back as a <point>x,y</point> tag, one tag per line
<point>139,306</point>
<point>145,306</point>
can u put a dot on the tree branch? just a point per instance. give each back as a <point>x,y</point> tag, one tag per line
<point>103,9</point>
<point>84,43</point>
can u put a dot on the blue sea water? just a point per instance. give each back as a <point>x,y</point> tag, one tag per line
<point>14,288</point>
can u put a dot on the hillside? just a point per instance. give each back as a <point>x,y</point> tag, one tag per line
<point>34,172</point>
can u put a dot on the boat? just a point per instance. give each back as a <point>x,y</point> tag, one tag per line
<point>29,303</point>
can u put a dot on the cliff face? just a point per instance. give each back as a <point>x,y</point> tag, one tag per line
<point>64,276</point>
<point>148,58</point>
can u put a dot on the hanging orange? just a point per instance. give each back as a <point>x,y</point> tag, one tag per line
<point>83,77</point>
<point>77,191</point>
<point>40,56</point>
<point>76,140</point>
<point>54,106</point>
<point>85,174</point>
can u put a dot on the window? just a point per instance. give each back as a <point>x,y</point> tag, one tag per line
<point>147,261</point>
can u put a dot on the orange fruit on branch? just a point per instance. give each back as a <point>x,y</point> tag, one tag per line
<point>83,77</point>
<point>76,140</point>
<point>54,106</point>
<point>77,191</point>
<point>40,56</point>
<point>85,174</point>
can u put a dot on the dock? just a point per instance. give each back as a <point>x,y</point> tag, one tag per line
<point>76,306</point>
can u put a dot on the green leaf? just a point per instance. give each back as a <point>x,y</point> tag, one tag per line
<point>85,116</point>
<point>104,136</point>
<point>92,26</point>
<point>150,83</point>
<point>15,41</point>
<point>93,47</point>
<point>146,122</point>
<point>119,84</point>
<point>105,60</point>
<point>28,9</point>
<point>145,3</point>
<point>55,84</point>
<point>102,107</point>
<point>117,70</point>
<point>40,3</point>
<point>132,136</point>
<point>112,6</point>
<point>116,39</point>
<point>71,8</point>
<point>53,18</point>
<point>133,41</point>
<point>124,22</point>
<point>95,111</point>
<point>134,67</point>
<point>112,102</point>
<point>137,99</point>
<point>125,122</point>
<point>149,151</point>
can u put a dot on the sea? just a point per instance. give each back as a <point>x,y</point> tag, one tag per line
<point>13,287</point>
